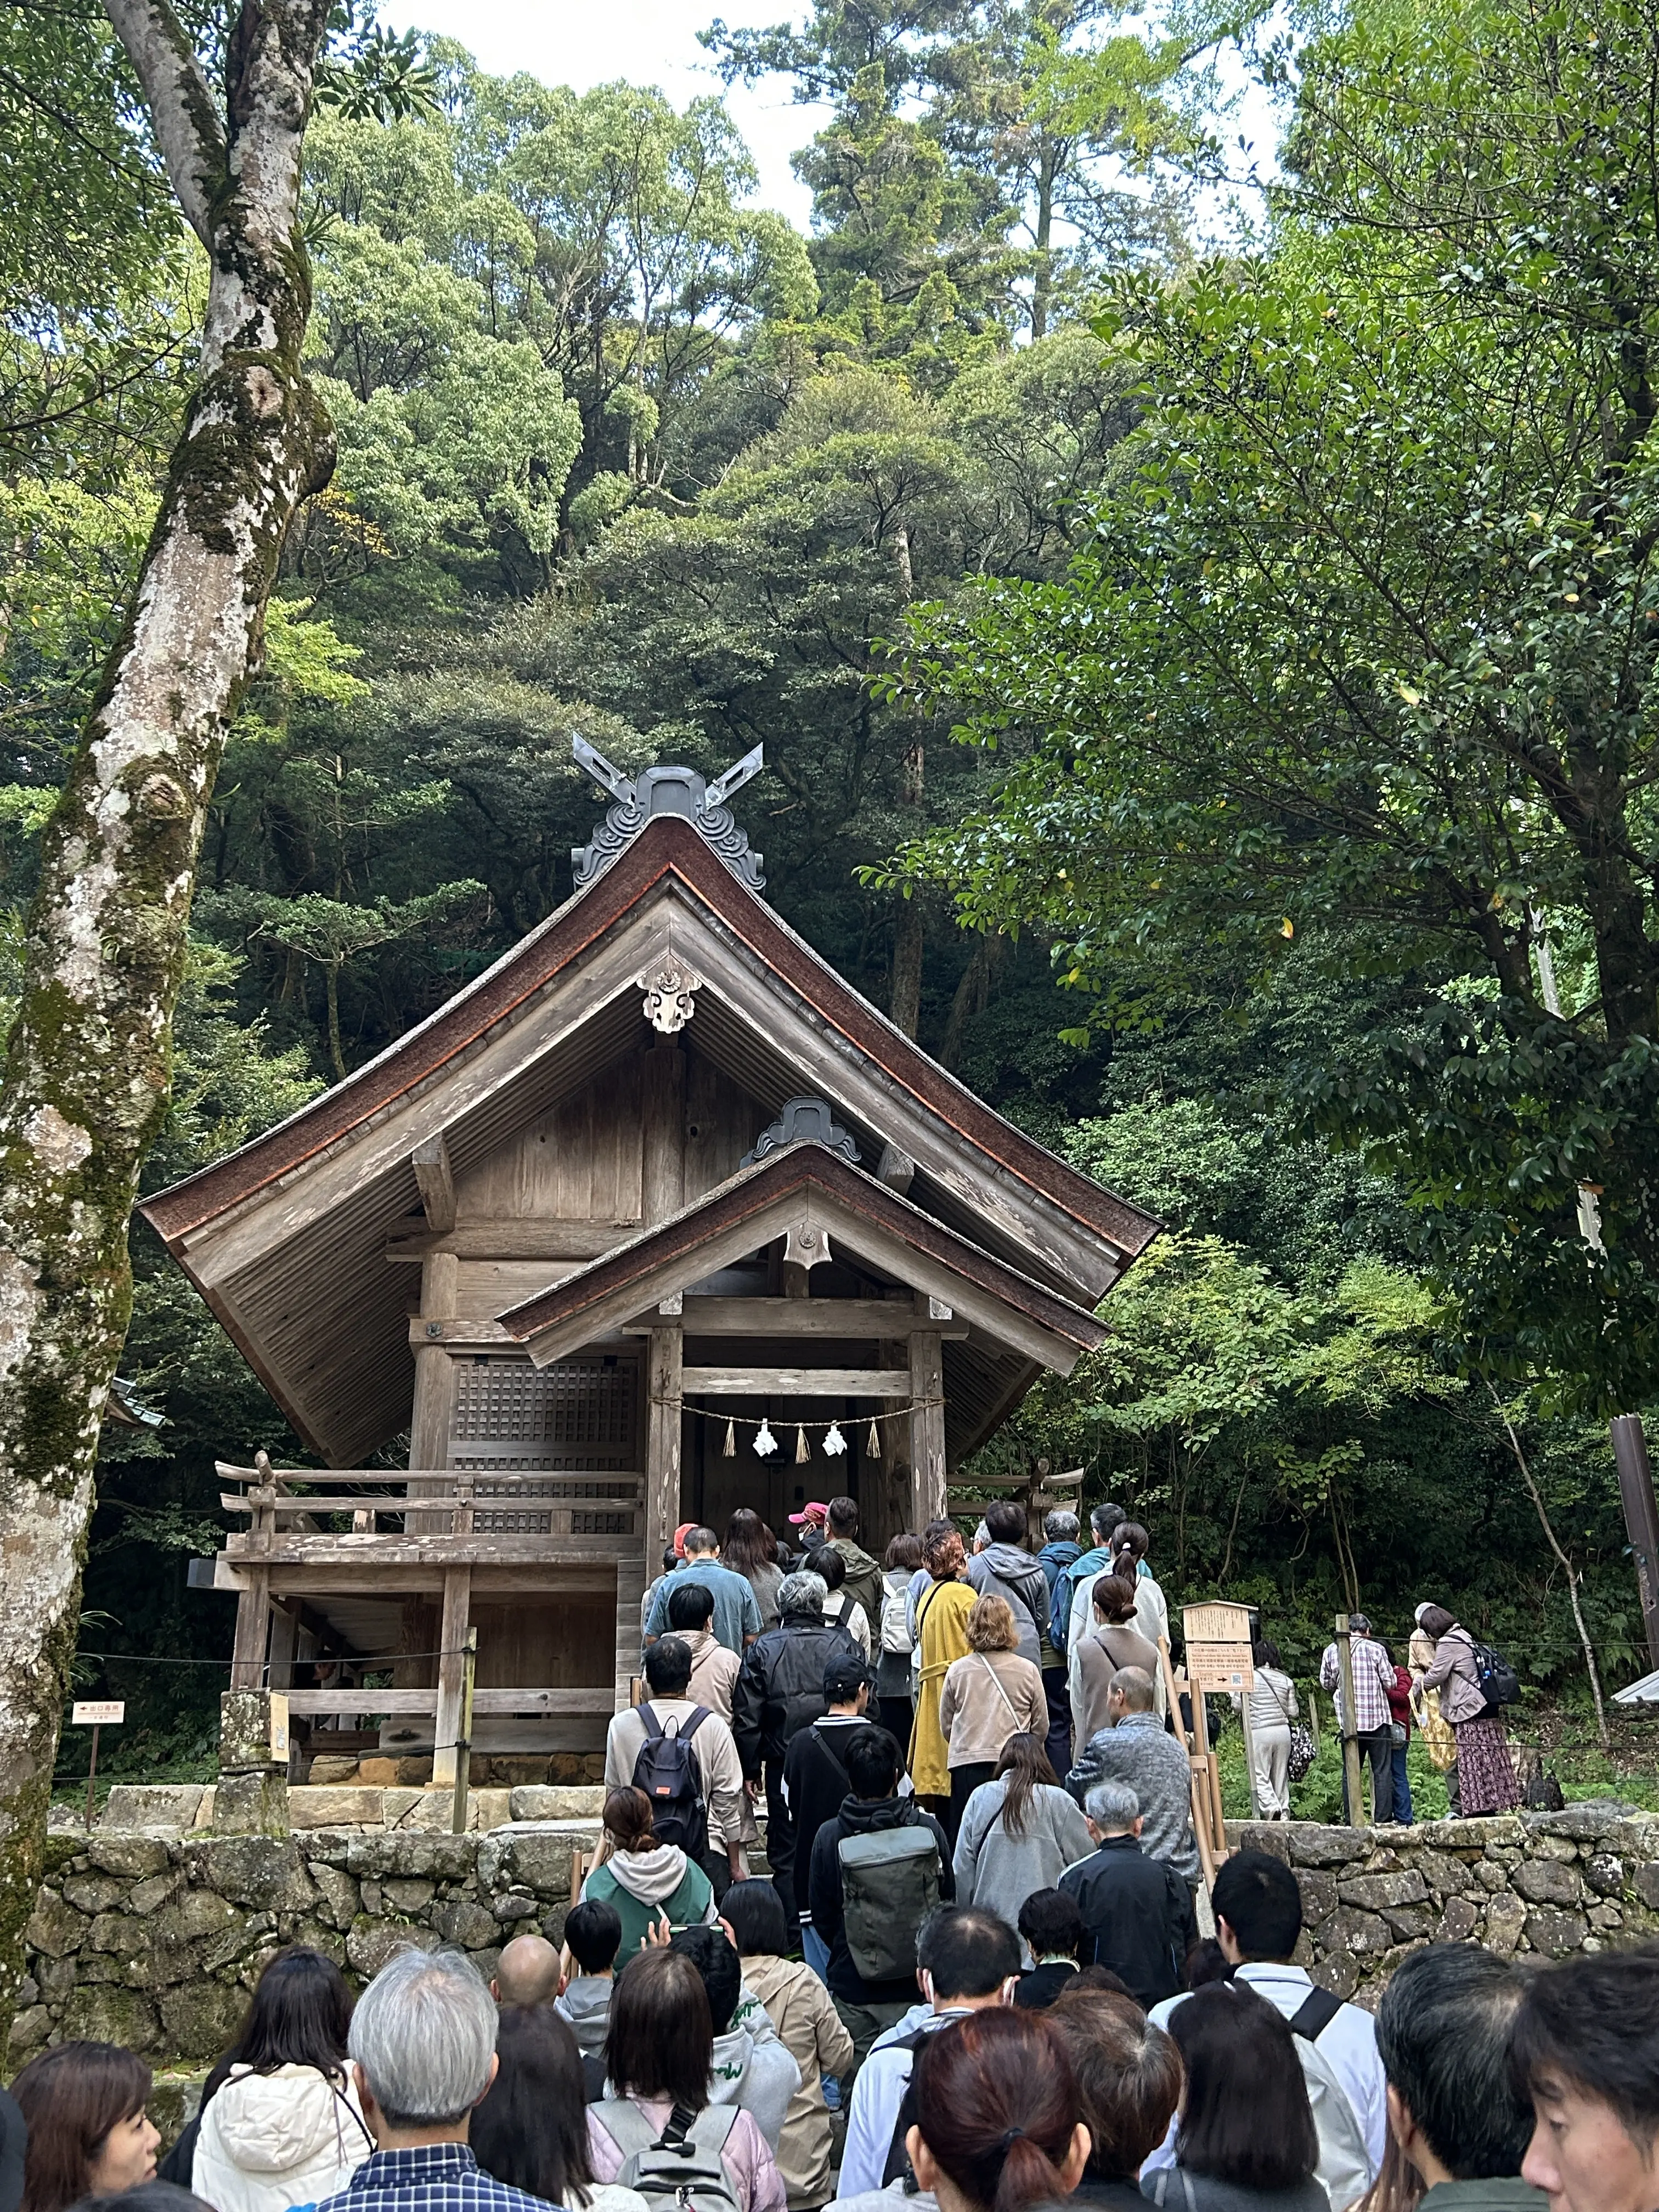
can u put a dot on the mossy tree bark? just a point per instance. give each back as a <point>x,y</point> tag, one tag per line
<point>86,1073</point>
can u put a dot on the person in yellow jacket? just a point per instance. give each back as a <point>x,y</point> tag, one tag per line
<point>941,1636</point>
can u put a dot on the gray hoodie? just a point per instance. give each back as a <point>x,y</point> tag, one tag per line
<point>587,2005</point>
<point>759,2076</point>
<point>1004,1571</point>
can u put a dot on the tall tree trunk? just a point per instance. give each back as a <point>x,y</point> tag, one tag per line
<point>87,1068</point>
<point>1042,279</point>
<point>905,1005</point>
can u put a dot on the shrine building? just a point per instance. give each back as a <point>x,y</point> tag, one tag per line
<point>534,1284</point>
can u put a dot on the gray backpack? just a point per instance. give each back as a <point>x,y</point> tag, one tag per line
<point>889,1885</point>
<point>682,2169</point>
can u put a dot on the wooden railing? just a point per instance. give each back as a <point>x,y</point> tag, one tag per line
<point>288,1508</point>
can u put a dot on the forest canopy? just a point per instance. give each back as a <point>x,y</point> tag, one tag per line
<point>1206,691</point>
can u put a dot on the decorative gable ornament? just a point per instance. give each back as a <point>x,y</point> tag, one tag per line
<point>666,790</point>
<point>804,1121</point>
<point>670,999</point>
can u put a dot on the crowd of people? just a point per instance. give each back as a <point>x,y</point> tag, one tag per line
<point>971,1975</point>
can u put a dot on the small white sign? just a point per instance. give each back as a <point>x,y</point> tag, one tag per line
<point>95,1712</point>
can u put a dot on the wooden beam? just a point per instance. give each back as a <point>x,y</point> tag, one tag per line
<point>665,1392</point>
<point>926,1385</point>
<point>436,1181</point>
<point>248,1657</point>
<point>896,1169</point>
<point>795,1382</point>
<point>386,1554</point>
<point>850,1318</point>
<point>435,1370</point>
<point>534,1702</point>
<point>452,1638</point>
<point>561,1244</point>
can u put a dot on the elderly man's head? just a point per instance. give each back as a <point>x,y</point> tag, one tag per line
<point>423,2041</point>
<point>800,1597</point>
<point>1129,1691</point>
<point>527,1973</point>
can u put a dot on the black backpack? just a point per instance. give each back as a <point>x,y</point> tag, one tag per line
<point>667,1770</point>
<point>1498,1683</point>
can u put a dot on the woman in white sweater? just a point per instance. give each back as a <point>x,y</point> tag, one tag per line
<point>1019,1833</point>
<point>280,2121</point>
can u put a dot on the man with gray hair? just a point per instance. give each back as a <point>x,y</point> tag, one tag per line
<point>422,2045</point>
<point>1059,1554</point>
<point>1137,1911</point>
<point>1132,1748</point>
<point>779,1691</point>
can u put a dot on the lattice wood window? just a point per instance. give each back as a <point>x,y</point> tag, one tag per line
<point>578,1420</point>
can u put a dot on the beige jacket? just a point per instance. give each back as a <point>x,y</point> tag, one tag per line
<point>1099,1655</point>
<point>717,1758</point>
<point>810,2029</point>
<point>713,1671</point>
<point>989,1697</point>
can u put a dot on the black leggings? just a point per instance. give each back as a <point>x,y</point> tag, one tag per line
<point>964,1780</point>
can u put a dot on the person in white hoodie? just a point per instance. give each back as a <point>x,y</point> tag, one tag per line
<point>592,1937</point>
<point>281,2124</point>
<point>759,2073</point>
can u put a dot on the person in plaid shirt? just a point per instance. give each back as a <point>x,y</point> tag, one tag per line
<point>1373,1680</point>
<point>423,2045</point>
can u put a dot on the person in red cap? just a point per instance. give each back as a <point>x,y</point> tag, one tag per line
<point>811,1523</point>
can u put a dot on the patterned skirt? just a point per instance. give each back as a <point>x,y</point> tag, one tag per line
<point>1486,1779</point>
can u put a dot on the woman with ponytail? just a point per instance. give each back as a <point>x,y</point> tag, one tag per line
<point>997,2126</point>
<point>1130,1545</point>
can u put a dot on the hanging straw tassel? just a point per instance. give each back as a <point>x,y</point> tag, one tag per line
<point>729,1450</point>
<point>873,1445</point>
<point>803,1449</point>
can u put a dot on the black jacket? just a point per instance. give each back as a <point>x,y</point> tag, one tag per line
<point>779,1687</point>
<point>814,1783</point>
<point>858,1818</point>
<point>1139,1912</point>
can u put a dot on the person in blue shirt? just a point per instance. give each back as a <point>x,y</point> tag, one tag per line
<point>422,2041</point>
<point>737,1621</point>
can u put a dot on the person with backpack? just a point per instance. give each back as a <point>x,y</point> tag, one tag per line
<point>1060,1550</point>
<point>1258,1916</point>
<point>864,1583</point>
<point>661,2134</point>
<point>750,2069</point>
<point>839,1603</point>
<point>686,1759</point>
<point>877,1869</point>
<point>815,1780</point>
<point>531,2130</point>
<point>803,2015</point>
<point>1104,1522</point>
<point>1004,1568</point>
<point>894,1637</point>
<point>780,1690</point>
<point>1245,2139</point>
<point>966,1961</point>
<point>650,1882</point>
<point>1474,1686</point>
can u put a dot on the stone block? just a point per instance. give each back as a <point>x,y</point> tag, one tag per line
<point>55,1976</point>
<point>372,1942</point>
<point>1458,1922</point>
<point>467,1924</point>
<point>152,1805</point>
<point>517,1905</point>
<point>330,1768</point>
<point>29,2030</point>
<point>1375,1893</point>
<point>1339,1975</point>
<point>205,1810</point>
<point>264,1873</point>
<point>409,1896</point>
<point>350,1806</point>
<point>1490,1876</point>
<point>414,1773</point>
<point>1587,1821</point>
<point>93,1894</point>
<point>104,2012</point>
<point>251,1803</point>
<point>1548,1882</point>
<point>1319,1895</point>
<point>1645,1882</point>
<point>195,1915</point>
<point>1409,1923</point>
<point>413,1854</point>
<point>1605,1874</point>
<point>248,1733</point>
<point>1314,1844</point>
<point>532,1855</point>
<point>379,1773</point>
<point>1553,1934</point>
<point>542,1801</point>
<point>1361,1935</point>
<point>128,1858</point>
<point>1607,1918</point>
<point>1444,1875</point>
<point>1506,1917</point>
<point>1560,1848</point>
<point>123,1935</point>
<point>55,1927</point>
<point>147,1897</point>
<point>240,1938</point>
<point>336,1895</point>
<point>200,2017</point>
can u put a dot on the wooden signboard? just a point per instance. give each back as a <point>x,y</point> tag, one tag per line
<point>1223,1668</point>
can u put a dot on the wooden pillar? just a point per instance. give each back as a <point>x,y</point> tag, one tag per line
<point>928,1474</point>
<point>630,1593</point>
<point>248,1657</point>
<point>662,1139</point>
<point>429,1427</point>
<point>662,1449</point>
<point>284,1635</point>
<point>451,1674</point>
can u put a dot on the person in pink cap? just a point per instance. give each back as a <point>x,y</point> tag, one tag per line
<point>810,1520</point>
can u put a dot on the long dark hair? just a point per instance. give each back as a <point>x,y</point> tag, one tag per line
<point>299,2015</point>
<point>748,1543</point>
<point>70,2098</point>
<point>1247,2119</point>
<point>1022,1765</point>
<point>660,2039</point>
<point>531,2130</point>
<point>997,2103</point>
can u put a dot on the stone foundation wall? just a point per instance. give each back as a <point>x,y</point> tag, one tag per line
<point>1547,1883</point>
<point>154,1939</point>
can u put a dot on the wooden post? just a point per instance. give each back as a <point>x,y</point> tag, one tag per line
<point>284,1635</point>
<point>449,1721</point>
<point>463,1734</point>
<point>247,1658</point>
<point>1350,1741</point>
<point>435,1377</point>
<point>927,1471</point>
<point>1249,1754</point>
<point>1172,1691</point>
<point>1630,1452</point>
<point>662,1453</point>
